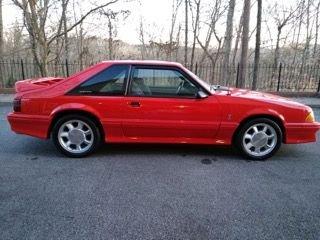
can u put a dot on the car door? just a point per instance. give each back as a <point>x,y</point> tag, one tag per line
<point>103,94</point>
<point>162,106</point>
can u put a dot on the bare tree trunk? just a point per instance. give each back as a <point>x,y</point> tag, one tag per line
<point>186,34</point>
<point>317,33</point>
<point>227,43</point>
<point>236,44</point>
<point>301,7</point>
<point>257,49</point>
<point>178,42</point>
<point>305,55</point>
<point>195,32</point>
<point>244,44</point>
<point>1,45</point>
<point>175,7</point>
<point>142,41</point>
<point>277,49</point>
<point>1,32</point>
<point>110,39</point>
<point>64,4</point>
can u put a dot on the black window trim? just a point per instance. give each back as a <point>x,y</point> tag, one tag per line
<point>125,84</point>
<point>163,67</point>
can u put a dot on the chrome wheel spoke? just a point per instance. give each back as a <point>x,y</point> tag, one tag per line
<point>249,145</point>
<point>64,134</point>
<point>257,150</point>
<point>248,136</point>
<point>68,143</point>
<point>78,147</point>
<point>265,128</point>
<point>87,133</point>
<point>80,125</point>
<point>70,126</point>
<point>271,136</point>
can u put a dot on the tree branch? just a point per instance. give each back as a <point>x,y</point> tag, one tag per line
<point>52,38</point>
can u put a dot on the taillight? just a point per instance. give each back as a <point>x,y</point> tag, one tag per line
<point>17,104</point>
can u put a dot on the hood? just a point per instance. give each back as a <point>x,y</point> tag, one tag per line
<point>260,96</point>
<point>35,84</point>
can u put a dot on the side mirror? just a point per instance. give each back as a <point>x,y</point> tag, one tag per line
<point>201,95</point>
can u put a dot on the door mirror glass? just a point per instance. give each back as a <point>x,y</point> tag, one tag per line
<point>201,94</point>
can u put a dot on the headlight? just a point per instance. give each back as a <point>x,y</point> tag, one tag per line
<point>310,117</point>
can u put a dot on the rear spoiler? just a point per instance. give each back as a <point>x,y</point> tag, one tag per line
<point>33,84</point>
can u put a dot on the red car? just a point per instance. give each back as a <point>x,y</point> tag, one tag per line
<point>155,102</point>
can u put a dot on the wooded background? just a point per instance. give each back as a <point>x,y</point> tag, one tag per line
<point>267,45</point>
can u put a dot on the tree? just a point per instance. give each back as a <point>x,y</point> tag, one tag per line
<point>317,33</point>
<point>227,42</point>
<point>282,17</point>
<point>186,33</point>
<point>244,43</point>
<point>175,7</point>
<point>64,5</point>
<point>1,32</point>
<point>212,54</point>
<point>113,17</point>
<point>143,48</point>
<point>1,42</point>
<point>257,48</point>
<point>195,26</point>
<point>35,17</point>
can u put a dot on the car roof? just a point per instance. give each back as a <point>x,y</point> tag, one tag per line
<point>144,62</point>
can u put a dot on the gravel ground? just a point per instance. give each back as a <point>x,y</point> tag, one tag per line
<point>156,192</point>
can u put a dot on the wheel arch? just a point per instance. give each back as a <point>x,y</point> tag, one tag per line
<point>64,112</point>
<point>274,118</point>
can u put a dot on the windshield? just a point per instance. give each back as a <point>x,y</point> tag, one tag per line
<point>202,82</point>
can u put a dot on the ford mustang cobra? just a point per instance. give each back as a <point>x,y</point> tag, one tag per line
<point>155,102</point>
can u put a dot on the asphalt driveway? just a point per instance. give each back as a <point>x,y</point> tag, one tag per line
<point>156,192</point>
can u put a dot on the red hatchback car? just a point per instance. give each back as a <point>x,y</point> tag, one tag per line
<point>155,102</point>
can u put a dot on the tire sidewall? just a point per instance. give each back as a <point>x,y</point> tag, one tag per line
<point>246,126</point>
<point>93,126</point>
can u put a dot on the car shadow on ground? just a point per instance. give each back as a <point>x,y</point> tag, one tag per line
<point>31,147</point>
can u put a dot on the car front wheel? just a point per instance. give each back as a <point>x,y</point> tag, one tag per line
<point>259,139</point>
<point>75,135</point>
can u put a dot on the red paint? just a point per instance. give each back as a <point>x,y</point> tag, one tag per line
<point>212,120</point>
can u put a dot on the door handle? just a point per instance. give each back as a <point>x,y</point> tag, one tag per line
<point>134,104</point>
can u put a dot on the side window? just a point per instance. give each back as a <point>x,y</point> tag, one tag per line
<point>108,82</point>
<point>161,83</point>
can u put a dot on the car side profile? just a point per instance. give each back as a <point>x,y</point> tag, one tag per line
<point>155,102</point>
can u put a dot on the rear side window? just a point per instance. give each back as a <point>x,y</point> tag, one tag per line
<point>110,82</point>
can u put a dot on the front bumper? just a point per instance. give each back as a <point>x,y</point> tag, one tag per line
<point>301,132</point>
<point>33,125</point>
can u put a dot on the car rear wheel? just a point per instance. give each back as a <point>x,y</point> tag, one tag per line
<point>76,135</point>
<point>259,139</point>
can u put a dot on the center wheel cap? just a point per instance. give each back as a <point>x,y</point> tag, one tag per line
<point>76,136</point>
<point>260,139</point>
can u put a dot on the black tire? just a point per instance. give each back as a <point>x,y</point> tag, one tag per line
<point>74,117</point>
<point>240,142</point>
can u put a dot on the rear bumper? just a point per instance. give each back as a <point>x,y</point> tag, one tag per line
<point>33,125</point>
<point>301,132</point>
